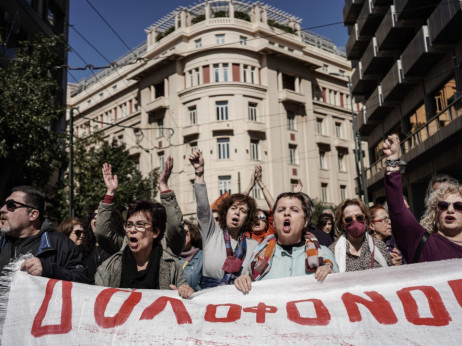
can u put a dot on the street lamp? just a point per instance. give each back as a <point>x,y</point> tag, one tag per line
<point>360,174</point>
<point>139,135</point>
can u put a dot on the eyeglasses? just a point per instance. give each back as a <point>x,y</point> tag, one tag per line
<point>443,206</point>
<point>385,219</point>
<point>261,217</point>
<point>140,226</point>
<point>78,233</point>
<point>11,205</point>
<point>357,217</point>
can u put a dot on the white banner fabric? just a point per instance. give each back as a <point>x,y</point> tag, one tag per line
<point>407,305</point>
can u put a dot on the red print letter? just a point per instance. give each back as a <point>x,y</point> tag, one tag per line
<point>122,315</point>
<point>181,314</point>
<point>260,310</point>
<point>456,286</point>
<point>234,313</point>
<point>66,311</point>
<point>379,307</point>
<point>322,314</point>
<point>438,310</point>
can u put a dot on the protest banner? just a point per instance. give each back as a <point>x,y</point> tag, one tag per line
<point>412,304</point>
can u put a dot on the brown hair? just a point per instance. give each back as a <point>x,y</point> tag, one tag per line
<point>196,238</point>
<point>241,199</point>
<point>347,203</point>
<point>67,225</point>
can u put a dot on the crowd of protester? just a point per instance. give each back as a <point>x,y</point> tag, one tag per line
<point>234,242</point>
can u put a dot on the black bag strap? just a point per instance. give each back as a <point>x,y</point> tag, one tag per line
<point>422,242</point>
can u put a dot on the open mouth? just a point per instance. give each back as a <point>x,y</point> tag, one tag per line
<point>133,241</point>
<point>286,225</point>
<point>235,221</point>
<point>450,218</point>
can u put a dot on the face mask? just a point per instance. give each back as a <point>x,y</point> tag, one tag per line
<point>356,229</point>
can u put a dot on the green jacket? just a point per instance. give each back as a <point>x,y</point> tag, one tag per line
<point>173,240</point>
<point>109,273</point>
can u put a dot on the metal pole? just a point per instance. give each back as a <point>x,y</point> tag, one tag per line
<point>358,175</point>
<point>363,172</point>
<point>71,162</point>
<point>151,175</point>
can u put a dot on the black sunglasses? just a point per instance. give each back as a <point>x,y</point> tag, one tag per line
<point>442,205</point>
<point>11,205</point>
<point>78,233</point>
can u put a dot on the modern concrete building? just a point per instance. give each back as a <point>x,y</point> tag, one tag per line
<point>408,57</point>
<point>241,82</point>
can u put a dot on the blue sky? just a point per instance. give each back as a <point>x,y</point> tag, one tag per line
<point>130,18</point>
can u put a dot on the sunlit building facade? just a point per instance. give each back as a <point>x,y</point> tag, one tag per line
<point>243,83</point>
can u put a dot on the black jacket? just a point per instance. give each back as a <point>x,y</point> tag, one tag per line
<point>61,258</point>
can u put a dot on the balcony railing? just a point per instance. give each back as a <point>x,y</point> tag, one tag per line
<point>370,18</point>
<point>423,133</point>
<point>351,11</point>
<point>413,9</point>
<point>394,35</point>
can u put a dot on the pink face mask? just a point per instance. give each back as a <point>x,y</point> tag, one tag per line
<point>356,229</point>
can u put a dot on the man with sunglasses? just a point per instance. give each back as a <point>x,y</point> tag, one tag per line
<point>25,230</point>
<point>440,235</point>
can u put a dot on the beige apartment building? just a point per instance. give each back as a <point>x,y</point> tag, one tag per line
<point>241,82</point>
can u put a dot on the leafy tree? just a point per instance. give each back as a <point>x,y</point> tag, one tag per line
<point>319,206</point>
<point>89,155</point>
<point>29,151</point>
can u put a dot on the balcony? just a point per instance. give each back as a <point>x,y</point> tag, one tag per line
<point>362,85</point>
<point>255,127</point>
<point>364,126</point>
<point>419,55</point>
<point>370,18</point>
<point>158,103</point>
<point>351,11</point>
<point>224,125</point>
<point>445,23</point>
<point>287,95</point>
<point>376,109</point>
<point>323,140</point>
<point>414,9</point>
<point>394,35</point>
<point>356,44</point>
<point>394,86</point>
<point>192,130</point>
<point>374,62</point>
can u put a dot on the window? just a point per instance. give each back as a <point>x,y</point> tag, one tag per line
<point>249,74</point>
<point>224,184</point>
<point>223,148</point>
<point>293,154</point>
<point>324,193</point>
<point>325,67</point>
<point>198,43</point>
<point>161,156</point>
<point>290,121</point>
<point>252,111</point>
<point>220,39</point>
<point>159,89</point>
<point>222,110</point>
<point>288,82</point>
<point>243,40</point>
<point>254,149</point>
<point>342,192</point>
<point>160,128</point>
<point>225,72</point>
<point>216,72</point>
<point>338,130</point>
<point>322,160</point>
<point>256,192</point>
<point>319,126</point>
<point>192,115</point>
<point>341,163</point>
<point>196,77</point>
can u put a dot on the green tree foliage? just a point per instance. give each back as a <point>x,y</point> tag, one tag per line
<point>89,155</point>
<point>285,28</point>
<point>318,208</point>
<point>241,15</point>
<point>29,151</point>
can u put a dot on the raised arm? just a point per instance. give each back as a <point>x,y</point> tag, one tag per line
<point>175,234</point>
<point>107,237</point>
<point>197,161</point>
<point>406,229</point>
<point>251,185</point>
<point>258,178</point>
